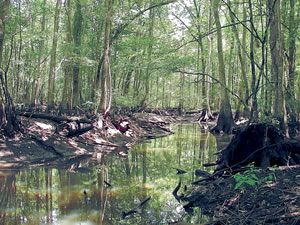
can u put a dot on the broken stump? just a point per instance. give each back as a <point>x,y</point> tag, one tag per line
<point>262,144</point>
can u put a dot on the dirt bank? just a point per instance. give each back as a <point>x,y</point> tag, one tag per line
<point>48,139</point>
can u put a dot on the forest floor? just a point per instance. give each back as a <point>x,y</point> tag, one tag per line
<point>270,196</point>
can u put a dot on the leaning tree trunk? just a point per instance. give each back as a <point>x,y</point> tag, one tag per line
<point>225,119</point>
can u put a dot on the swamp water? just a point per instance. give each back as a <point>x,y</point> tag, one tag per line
<point>106,189</point>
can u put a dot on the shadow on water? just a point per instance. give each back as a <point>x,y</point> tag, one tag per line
<point>127,187</point>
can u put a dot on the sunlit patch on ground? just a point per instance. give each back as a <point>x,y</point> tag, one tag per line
<point>4,153</point>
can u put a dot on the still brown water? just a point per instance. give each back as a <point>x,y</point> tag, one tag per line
<point>82,193</point>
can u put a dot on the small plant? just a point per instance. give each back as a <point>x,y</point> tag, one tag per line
<point>250,178</point>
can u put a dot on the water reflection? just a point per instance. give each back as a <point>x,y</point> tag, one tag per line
<point>111,189</point>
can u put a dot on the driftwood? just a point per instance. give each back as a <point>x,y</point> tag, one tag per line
<point>262,144</point>
<point>73,126</point>
<point>57,119</point>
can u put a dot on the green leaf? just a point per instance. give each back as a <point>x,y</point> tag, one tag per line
<point>254,176</point>
<point>237,177</point>
<point>238,185</point>
<point>251,182</point>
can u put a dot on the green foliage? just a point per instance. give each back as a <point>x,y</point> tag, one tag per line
<point>249,177</point>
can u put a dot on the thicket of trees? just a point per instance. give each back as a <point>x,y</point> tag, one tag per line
<point>224,55</point>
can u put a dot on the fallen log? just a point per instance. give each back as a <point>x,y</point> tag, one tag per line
<point>57,119</point>
<point>73,133</point>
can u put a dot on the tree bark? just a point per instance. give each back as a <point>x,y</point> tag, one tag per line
<point>146,99</point>
<point>50,101</point>
<point>8,118</point>
<point>34,100</point>
<point>106,73</point>
<point>67,102</point>
<point>291,62</point>
<point>243,86</point>
<point>276,47</point>
<point>225,120</point>
<point>77,31</point>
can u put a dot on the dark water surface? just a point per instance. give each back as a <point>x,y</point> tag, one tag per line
<point>82,195</point>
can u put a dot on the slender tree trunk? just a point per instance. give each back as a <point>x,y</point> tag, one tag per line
<point>34,101</point>
<point>276,47</point>
<point>77,30</point>
<point>50,101</point>
<point>67,100</point>
<point>128,77</point>
<point>146,99</point>
<point>209,63</point>
<point>181,98</point>
<point>254,112</point>
<point>291,62</point>
<point>106,74</point>
<point>243,86</point>
<point>225,120</point>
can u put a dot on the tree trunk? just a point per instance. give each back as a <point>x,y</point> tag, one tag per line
<point>77,30</point>
<point>106,74</point>
<point>254,112</point>
<point>225,120</point>
<point>8,118</point>
<point>243,86</point>
<point>67,102</point>
<point>291,62</point>
<point>146,99</point>
<point>50,101</point>
<point>128,77</point>
<point>34,100</point>
<point>276,47</point>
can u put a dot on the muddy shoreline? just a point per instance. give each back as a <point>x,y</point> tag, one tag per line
<point>46,140</point>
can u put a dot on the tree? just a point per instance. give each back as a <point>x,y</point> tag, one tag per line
<point>37,80</point>
<point>77,31</point>
<point>291,62</point>
<point>146,98</point>
<point>67,97</point>
<point>8,118</point>
<point>243,86</point>
<point>225,120</point>
<point>276,48</point>
<point>106,72</point>
<point>53,57</point>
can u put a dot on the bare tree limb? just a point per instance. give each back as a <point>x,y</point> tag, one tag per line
<point>213,78</point>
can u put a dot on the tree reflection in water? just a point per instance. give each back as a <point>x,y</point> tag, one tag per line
<point>81,194</point>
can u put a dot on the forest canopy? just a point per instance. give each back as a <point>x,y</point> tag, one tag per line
<point>99,55</point>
